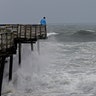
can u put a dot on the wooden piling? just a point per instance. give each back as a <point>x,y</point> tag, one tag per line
<point>31,46</point>
<point>10,67</point>
<point>2,65</point>
<point>19,53</point>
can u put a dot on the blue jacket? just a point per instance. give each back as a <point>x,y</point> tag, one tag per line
<point>43,22</point>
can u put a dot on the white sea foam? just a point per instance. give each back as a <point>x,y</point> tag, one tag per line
<point>51,33</point>
<point>90,30</point>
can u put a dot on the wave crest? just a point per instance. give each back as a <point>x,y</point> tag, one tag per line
<point>51,33</point>
<point>84,32</point>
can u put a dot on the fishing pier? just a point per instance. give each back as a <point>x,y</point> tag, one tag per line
<point>11,38</point>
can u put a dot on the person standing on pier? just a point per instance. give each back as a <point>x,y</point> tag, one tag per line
<point>43,21</point>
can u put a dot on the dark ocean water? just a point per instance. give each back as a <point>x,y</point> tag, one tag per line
<point>62,65</point>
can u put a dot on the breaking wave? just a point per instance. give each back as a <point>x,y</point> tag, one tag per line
<point>51,33</point>
<point>78,36</point>
<point>85,32</point>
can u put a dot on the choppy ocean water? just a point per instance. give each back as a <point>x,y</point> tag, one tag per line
<point>63,65</point>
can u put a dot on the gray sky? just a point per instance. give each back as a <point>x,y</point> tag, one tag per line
<point>56,11</point>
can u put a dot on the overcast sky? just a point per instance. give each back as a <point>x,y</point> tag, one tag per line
<point>56,11</point>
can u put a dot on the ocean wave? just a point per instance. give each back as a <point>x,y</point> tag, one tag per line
<point>90,30</point>
<point>51,33</point>
<point>84,32</point>
<point>84,36</point>
<point>77,36</point>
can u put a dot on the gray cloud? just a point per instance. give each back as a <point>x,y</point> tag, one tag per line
<point>56,11</point>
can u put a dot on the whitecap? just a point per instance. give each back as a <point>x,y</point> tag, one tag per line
<point>90,30</point>
<point>51,33</point>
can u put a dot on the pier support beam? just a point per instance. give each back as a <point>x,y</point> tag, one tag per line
<point>19,53</point>
<point>31,46</point>
<point>2,65</point>
<point>10,67</point>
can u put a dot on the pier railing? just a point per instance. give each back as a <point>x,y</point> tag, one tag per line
<point>28,31</point>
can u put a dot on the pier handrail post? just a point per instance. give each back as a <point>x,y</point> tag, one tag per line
<point>45,32</point>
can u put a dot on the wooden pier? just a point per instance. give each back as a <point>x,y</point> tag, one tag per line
<point>13,34</point>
